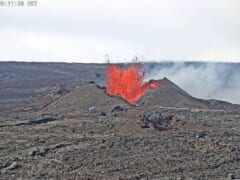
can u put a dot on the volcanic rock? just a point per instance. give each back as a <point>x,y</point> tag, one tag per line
<point>92,109</point>
<point>103,114</point>
<point>117,109</point>
<point>230,176</point>
<point>62,90</point>
<point>157,120</point>
<point>12,166</point>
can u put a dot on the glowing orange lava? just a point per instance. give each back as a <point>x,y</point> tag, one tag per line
<point>127,83</point>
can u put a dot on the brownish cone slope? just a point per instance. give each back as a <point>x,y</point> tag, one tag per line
<point>87,96</point>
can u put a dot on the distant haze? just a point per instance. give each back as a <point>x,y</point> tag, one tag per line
<point>202,80</point>
<point>84,31</point>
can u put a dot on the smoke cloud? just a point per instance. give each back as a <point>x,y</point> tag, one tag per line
<point>202,80</point>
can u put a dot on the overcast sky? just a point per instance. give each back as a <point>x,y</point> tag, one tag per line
<point>86,30</point>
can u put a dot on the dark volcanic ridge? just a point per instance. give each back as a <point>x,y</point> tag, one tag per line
<point>167,95</point>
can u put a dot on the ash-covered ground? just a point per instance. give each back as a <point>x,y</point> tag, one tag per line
<point>55,122</point>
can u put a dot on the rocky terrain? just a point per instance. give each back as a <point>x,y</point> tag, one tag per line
<point>69,128</point>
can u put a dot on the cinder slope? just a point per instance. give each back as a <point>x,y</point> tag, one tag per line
<point>84,97</point>
<point>169,94</point>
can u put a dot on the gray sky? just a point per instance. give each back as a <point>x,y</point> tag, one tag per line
<point>85,30</point>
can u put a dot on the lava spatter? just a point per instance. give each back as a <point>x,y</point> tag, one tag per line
<point>128,83</point>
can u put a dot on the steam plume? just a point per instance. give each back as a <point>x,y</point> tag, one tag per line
<point>202,80</point>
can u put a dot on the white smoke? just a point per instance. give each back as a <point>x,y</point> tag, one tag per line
<point>202,80</point>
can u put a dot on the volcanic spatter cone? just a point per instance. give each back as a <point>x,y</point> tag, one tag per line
<point>128,83</point>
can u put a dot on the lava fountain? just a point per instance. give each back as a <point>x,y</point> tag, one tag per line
<point>128,83</point>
